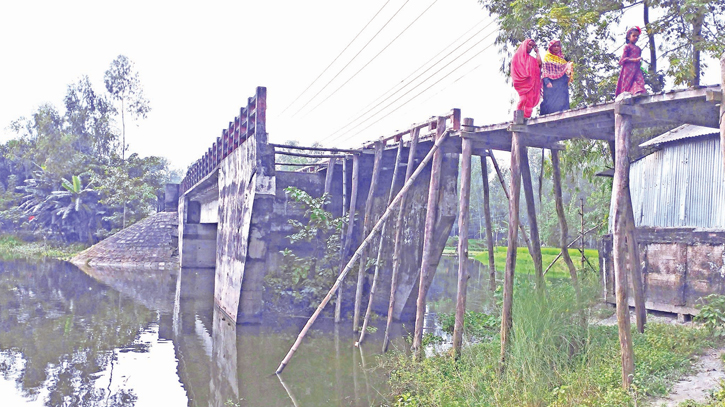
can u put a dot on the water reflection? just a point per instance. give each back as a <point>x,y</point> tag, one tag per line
<point>149,338</point>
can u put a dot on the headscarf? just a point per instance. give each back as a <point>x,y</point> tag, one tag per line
<point>630,31</point>
<point>525,71</point>
<point>554,64</point>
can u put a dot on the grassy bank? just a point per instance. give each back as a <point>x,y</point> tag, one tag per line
<point>12,247</point>
<point>552,361</point>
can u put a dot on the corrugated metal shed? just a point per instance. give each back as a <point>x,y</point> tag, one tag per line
<point>682,184</point>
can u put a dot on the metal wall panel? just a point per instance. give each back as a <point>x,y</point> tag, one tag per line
<point>681,185</point>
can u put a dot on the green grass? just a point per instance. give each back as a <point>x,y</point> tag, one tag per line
<point>12,248</point>
<point>524,263</point>
<point>552,360</point>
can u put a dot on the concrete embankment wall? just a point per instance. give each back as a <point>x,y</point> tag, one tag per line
<point>149,243</point>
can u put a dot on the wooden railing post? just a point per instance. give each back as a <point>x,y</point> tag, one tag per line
<point>463,205</point>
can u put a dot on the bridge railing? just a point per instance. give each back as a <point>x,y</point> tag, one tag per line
<point>251,119</point>
<point>453,122</point>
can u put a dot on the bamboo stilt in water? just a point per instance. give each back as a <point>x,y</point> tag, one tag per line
<point>358,252</point>
<point>563,227</point>
<point>426,266</point>
<point>622,128</point>
<point>367,223</point>
<point>722,109</point>
<point>343,241</point>
<point>533,224</point>
<point>399,238</point>
<point>489,228</point>
<point>350,226</point>
<point>391,195</point>
<point>463,211</point>
<point>508,198</point>
<point>514,199</point>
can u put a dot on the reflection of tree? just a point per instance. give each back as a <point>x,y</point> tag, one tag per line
<point>64,325</point>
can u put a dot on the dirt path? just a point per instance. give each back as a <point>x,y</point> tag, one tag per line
<point>708,372</point>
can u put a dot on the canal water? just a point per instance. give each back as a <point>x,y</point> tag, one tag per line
<point>105,337</point>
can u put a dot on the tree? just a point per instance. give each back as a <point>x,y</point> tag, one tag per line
<point>124,85</point>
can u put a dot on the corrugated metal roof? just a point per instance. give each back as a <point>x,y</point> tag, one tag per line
<point>686,131</point>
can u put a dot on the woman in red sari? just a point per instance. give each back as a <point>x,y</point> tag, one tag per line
<point>526,75</point>
<point>631,78</point>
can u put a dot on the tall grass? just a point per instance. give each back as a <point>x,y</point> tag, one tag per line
<point>12,248</point>
<point>553,359</point>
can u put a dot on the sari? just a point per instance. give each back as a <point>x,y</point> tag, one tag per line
<point>554,72</point>
<point>631,78</point>
<point>526,76</point>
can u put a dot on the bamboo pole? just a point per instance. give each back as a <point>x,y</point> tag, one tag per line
<point>367,223</point>
<point>635,266</point>
<point>350,225</point>
<point>329,174</point>
<point>489,228</point>
<point>563,227</point>
<point>397,246</point>
<point>581,242</point>
<point>362,246</point>
<point>533,225</point>
<point>463,276</point>
<point>508,198</point>
<point>376,274</point>
<point>558,256</point>
<point>622,128</point>
<point>722,110</point>
<point>343,241</point>
<point>508,285</point>
<point>429,229</point>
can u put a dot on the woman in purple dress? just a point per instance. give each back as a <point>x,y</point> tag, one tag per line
<point>631,78</point>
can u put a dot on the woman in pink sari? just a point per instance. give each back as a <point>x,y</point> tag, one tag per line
<point>526,75</point>
<point>631,78</point>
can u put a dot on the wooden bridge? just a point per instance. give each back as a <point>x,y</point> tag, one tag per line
<point>234,212</point>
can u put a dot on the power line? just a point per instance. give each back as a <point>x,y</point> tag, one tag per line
<point>336,58</point>
<point>419,75</point>
<point>421,92</point>
<point>373,58</point>
<point>423,82</point>
<point>353,58</point>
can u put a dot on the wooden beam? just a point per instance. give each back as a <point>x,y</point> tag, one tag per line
<point>376,274</point>
<point>428,237</point>
<point>463,211</point>
<point>367,224</point>
<point>619,208</point>
<point>489,227</point>
<point>398,244</point>
<point>362,247</point>
<point>508,284</point>
<point>355,183</point>
<point>330,150</point>
<point>533,225</point>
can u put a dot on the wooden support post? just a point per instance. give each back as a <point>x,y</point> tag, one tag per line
<point>635,266</point>
<point>338,303</point>
<point>722,110</point>
<point>622,128</point>
<point>350,226</point>
<point>463,205</point>
<point>563,227</point>
<point>398,244</point>
<point>426,271</point>
<point>329,174</point>
<point>391,195</point>
<point>508,282</point>
<point>489,226</point>
<point>533,225</point>
<point>433,151</point>
<point>581,231</point>
<point>367,224</point>
<point>508,198</point>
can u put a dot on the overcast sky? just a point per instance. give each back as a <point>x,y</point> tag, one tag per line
<point>199,62</point>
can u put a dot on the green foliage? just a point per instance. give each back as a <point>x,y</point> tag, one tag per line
<point>552,360</point>
<point>477,326</point>
<point>712,313</point>
<point>12,248</point>
<point>308,271</point>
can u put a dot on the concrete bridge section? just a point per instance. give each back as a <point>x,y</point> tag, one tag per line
<point>234,213</point>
